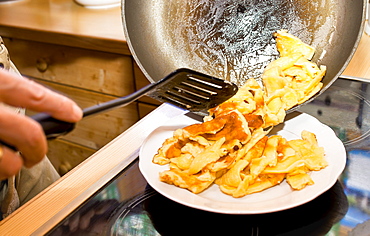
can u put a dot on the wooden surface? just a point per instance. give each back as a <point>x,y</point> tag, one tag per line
<point>64,22</point>
<point>360,63</point>
<point>88,77</point>
<point>97,71</point>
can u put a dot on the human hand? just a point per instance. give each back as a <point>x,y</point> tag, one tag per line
<point>21,131</point>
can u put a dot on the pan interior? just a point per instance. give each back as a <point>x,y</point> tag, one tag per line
<point>232,39</point>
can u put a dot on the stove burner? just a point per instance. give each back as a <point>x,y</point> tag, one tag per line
<point>153,214</point>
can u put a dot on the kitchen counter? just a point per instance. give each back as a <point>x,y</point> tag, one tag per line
<point>82,27</point>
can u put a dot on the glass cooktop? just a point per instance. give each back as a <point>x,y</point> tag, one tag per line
<point>128,206</point>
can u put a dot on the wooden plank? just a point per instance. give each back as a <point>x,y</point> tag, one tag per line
<point>97,71</point>
<point>65,155</point>
<point>96,44</point>
<point>96,131</point>
<point>145,109</point>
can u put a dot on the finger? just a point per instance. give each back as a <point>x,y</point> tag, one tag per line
<point>22,92</point>
<point>10,164</point>
<point>23,133</point>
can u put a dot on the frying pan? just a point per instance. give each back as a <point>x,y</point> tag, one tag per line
<point>232,39</point>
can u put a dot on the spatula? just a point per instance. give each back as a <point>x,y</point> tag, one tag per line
<point>185,88</point>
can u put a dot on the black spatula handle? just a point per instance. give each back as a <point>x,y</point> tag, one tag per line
<point>52,127</point>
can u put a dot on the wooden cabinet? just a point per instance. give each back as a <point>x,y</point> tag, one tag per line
<point>88,77</point>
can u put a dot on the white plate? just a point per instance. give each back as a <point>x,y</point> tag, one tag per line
<point>277,198</point>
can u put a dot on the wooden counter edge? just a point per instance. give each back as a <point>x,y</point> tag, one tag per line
<point>80,41</point>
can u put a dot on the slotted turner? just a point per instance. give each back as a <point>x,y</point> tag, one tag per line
<point>184,88</point>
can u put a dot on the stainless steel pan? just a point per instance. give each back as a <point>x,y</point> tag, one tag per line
<point>232,39</point>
